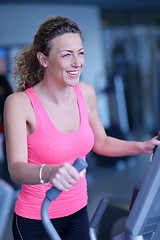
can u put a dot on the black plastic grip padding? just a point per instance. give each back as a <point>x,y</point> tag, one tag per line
<point>158,137</point>
<point>99,213</point>
<point>80,164</point>
<point>53,192</point>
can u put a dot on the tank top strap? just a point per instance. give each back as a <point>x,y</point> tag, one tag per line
<point>31,94</point>
<point>81,102</point>
<point>37,107</point>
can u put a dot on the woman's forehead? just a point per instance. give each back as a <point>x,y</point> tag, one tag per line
<point>67,41</point>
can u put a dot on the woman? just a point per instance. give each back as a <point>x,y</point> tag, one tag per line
<point>51,121</point>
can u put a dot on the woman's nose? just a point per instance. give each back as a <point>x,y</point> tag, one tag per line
<point>76,62</point>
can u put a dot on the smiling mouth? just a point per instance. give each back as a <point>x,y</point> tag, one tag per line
<point>73,73</point>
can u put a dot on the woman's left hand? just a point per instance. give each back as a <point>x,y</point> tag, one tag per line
<point>150,145</point>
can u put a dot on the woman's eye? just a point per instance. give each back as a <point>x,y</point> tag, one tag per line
<point>81,53</point>
<point>66,55</point>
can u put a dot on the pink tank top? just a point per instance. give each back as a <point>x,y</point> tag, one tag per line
<point>47,145</point>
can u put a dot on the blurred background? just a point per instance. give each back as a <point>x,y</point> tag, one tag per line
<point>122,62</point>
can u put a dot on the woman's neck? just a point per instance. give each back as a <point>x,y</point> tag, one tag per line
<point>53,92</point>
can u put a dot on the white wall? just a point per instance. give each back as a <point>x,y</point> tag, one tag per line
<point>19,22</point>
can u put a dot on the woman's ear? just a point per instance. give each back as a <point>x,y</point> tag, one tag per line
<point>42,59</point>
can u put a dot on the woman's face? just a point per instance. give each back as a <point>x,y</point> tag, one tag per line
<point>66,59</point>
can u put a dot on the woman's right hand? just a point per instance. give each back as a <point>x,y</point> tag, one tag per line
<point>64,176</point>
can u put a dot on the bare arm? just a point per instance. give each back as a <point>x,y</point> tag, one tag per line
<point>16,141</point>
<point>106,145</point>
<point>17,114</point>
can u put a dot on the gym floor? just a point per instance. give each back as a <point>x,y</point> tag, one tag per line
<point>114,181</point>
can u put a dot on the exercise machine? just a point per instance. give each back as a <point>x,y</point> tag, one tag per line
<point>53,193</point>
<point>143,222</point>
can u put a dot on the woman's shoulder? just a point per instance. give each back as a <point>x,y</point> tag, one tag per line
<point>89,95</point>
<point>87,89</point>
<point>16,98</point>
<point>17,107</point>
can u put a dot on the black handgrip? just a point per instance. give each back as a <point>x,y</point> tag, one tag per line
<point>158,137</point>
<point>53,192</point>
<point>99,213</point>
<point>155,149</point>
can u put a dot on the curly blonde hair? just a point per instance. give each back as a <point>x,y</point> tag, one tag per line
<point>28,71</point>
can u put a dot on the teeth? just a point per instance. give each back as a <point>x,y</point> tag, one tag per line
<point>75,72</point>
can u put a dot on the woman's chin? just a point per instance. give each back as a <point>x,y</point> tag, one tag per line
<point>73,83</point>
